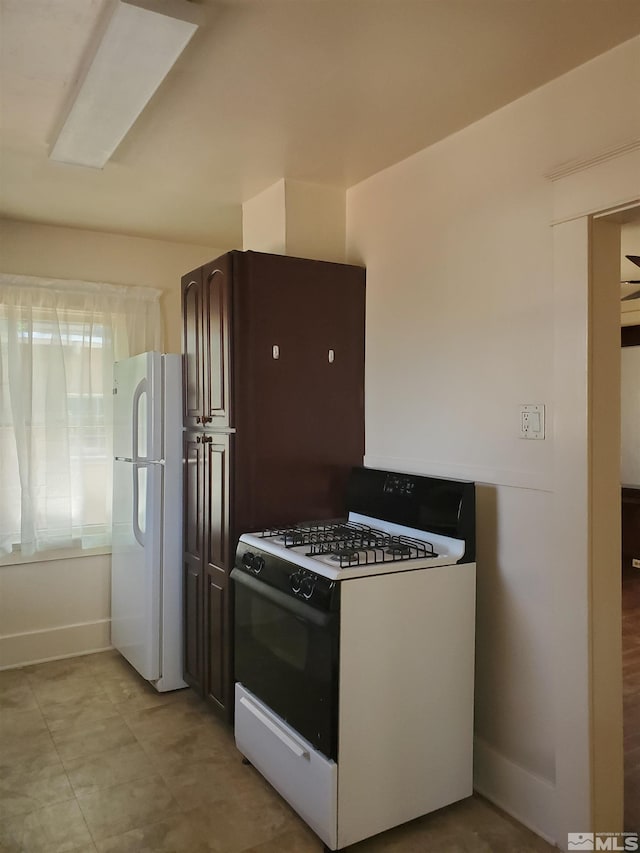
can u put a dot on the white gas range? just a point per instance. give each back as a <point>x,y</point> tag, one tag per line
<point>354,655</point>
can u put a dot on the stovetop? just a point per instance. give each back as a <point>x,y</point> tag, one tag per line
<point>349,543</point>
<point>355,547</point>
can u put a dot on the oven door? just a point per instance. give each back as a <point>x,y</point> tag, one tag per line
<point>286,654</point>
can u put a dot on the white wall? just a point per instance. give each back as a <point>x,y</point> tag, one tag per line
<point>460,330</point>
<point>296,218</point>
<point>264,221</point>
<point>54,608</point>
<point>315,221</point>
<point>62,607</point>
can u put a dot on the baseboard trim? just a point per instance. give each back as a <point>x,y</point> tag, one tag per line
<point>65,641</point>
<point>524,795</point>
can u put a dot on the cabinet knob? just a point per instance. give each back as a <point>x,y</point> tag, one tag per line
<point>207,439</point>
<point>331,356</point>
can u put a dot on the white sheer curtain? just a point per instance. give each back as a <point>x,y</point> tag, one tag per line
<point>58,342</point>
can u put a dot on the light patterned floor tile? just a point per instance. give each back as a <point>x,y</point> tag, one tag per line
<point>300,840</point>
<point>12,678</point>
<point>92,738</point>
<point>121,808</point>
<point>57,670</point>
<point>158,722</point>
<point>109,663</point>
<point>36,748</point>
<point>130,693</point>
<point>90,774</point>
<point>175,748</point>
<point>55,829</point>
<point>66,691</point>
<point>81,712</point>
<point>16,694</point>
<point>232,827</point>
<point>179,834</point>
<point>15,723</point>
<point>198,783</point>
<point>23,791</point>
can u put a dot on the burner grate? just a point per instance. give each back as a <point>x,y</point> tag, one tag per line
<point>350,533</point>
<point>384,549</point>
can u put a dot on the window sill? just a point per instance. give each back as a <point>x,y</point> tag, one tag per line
<point>17,559</point>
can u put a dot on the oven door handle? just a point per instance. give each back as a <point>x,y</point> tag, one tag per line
<point>281,599</point>
<point>289,742</point>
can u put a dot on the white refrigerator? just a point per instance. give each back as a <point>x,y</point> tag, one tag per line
<point>146,562</point>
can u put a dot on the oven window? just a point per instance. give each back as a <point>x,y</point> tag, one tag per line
<point>289,661</point>
<point>286,637</point>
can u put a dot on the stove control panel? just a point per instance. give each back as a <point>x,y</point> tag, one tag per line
<point>253,562</point>
<point>303,583</point>
<point>284,575</point>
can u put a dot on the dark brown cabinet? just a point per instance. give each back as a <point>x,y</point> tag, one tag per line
<point>206,562</point>
<point>273,364</point>
<point>206,316</point>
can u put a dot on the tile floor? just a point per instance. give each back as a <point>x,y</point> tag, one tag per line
<point>93,759</point>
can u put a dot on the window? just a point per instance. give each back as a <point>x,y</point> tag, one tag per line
<point>58,343</point>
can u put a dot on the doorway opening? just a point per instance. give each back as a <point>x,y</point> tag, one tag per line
<point>627,223</point>
<point>630,511</point>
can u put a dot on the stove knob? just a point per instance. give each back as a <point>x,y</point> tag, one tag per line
<point>253,562</point>
<point>295,580</point>
<point>307,587</point>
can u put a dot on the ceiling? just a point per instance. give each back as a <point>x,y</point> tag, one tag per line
<point>323,91</point>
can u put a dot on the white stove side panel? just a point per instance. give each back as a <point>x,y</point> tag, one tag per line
<point>406,697</point>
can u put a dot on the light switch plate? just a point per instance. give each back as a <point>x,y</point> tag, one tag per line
<point>532,421</point>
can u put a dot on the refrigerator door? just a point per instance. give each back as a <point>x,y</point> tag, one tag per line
<point>137,407</point>
<point>136,564</point>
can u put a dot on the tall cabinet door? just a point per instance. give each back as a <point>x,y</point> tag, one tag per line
<point>217,567</point>
<point>193,403</point>
<point>216,326</point>
<point>194,460</point>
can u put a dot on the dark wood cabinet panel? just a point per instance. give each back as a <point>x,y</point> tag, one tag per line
<point>192,349</point>
<point>206,460</point>
<point>193,495</point>
<point>193,459</point>
<point>218,565</point>
<point>274,416</point>
<point>217,500</point>
<point>216,644</point>
<point>193,613</point>
<point>216,325</point>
